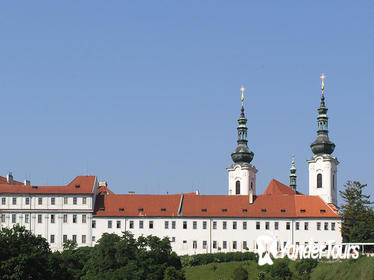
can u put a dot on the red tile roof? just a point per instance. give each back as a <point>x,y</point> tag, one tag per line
<point>133,205</point>
<point>3,180</point>
<point>276,187</point>
<point>80,185</point>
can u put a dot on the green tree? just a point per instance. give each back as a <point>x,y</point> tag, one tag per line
<point>124,257</point>
<point>240,273</point>
<point>171,273</point>
<point>280,270</point>
<point>23,255</point>
<point>358,216</point>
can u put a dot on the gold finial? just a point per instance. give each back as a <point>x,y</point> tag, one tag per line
<point>323,82</point>
<point>242,90</point>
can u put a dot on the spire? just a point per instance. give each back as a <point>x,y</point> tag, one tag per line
<point>293,174</point>
<point>322,145</point>
<point>242,154</point>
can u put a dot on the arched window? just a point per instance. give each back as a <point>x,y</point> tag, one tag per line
<point>237,187</point>
<point>319,180</point>
<point>251,185</point>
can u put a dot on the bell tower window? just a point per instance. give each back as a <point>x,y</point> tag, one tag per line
<point>319,180</point>
<point>237,187</point>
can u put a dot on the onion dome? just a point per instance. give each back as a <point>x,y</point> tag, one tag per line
<point>322,145</point>
<point>242,153</point>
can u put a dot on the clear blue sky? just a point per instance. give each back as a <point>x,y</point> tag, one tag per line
<point>145,94</point>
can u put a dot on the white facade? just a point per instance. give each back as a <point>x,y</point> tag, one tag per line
<point>242,177</point>
<point>323,178</point>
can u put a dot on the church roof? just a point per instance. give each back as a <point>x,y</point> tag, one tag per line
<point>80,185</point>
<point>278,201</point>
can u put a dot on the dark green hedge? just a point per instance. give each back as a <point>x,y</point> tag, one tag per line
<point>201,259</point>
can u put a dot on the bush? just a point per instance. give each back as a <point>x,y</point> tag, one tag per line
<point>202,259</point>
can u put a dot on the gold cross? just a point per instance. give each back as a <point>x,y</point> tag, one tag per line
<point>242,90</point>
<point>323,82</point>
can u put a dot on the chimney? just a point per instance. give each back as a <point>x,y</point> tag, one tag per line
<point>250,196</point>
<point>103,184</point>
<point>9,178</point>
<point>27,182</point>
<point>197,192</point>
<point>131,192</point>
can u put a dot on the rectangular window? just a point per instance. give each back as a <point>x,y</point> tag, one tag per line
<point>65,218</point>
<point>224,245</point>
<point>93,224</point>
<point>194,244</point>
<point>84,219</point>
<point>150,224</point>
<point>14,218</point>
<point>267,225</point>
<point>306,226</point>
<point>318,226</point>
<point>214,225</point>
<point>40,200</point>
<point>234,245</point>
<point>14,200</point>
<point>276,225</point>
<point>184,224</point>
<point>258,226</point>
<point>53,201</point>
<point>326,226</point>
<point>93,238</point>
<point>141,224</point>
<point>173,224</point>
<point>75,238</point>
<point>244,225</point>
<point>75,200</point>
<point>234,225</point>
<point>3,200</point>
<point>204,244</point>
<point>3,218</point>
<point>131,224</point>
<point>109,224</point>
<point>245,245</point>
<point>332,226</point>
<point>52,239</point>
<point>297,225</point>
<point>74,219</point>
<point>64,238</point>
<point>39,219</point>
<point>27,200</point>
<point>65,200</point>
<point>52,219</point>
<point>194,225</point>
<point>214,244</point>
<point>83,239</point>
<point>224,225</point>
<point>84,200</point>
<point>288,226</point>
<point>204,225</point>
<point>118,224</point>
<point>166,224</point>
<point>173,239</point>
<point>26,218</point>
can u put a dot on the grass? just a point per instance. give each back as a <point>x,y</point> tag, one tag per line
<point>360,269</point>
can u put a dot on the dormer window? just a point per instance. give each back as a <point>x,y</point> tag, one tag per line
<point>302,210</point>
<point>121,209</point>
<point>101,209</point>
<point>244,210</point>
<point>224,210</point>
<point>203,210</point>
<point>283,210</point>
<point>140,210</point>
<point>77,186</point>
<point>322,211</point>
<point>163,209</point>
<point>263,210</point>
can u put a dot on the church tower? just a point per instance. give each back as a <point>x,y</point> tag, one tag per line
<point>242,175</point>
<point>323,166</point>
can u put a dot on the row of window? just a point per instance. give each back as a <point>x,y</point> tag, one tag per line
<point>41,199</point>
<point>215,244</point>
<point>52,218</point>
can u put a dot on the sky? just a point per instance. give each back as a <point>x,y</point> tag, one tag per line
<point>146,94</point>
